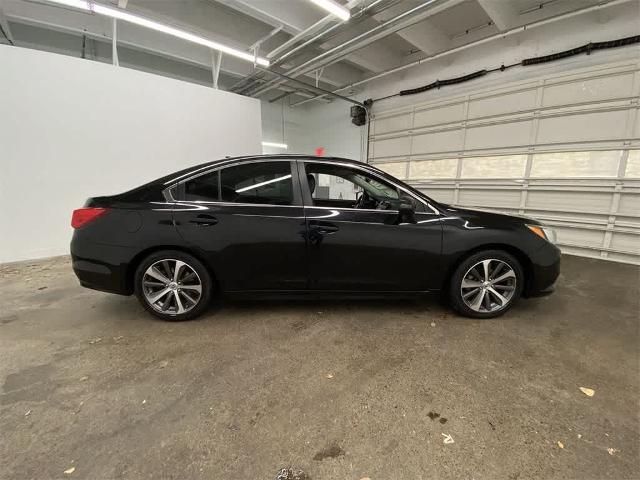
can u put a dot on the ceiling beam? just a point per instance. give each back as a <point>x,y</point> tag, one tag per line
<point>252,10</point>
<point>503,14</point>
<point>427,37</point>
<point>403,20</point>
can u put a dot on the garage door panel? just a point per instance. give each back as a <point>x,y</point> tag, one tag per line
<point>589,202</point>
<point>624,258</point>
<point>583,127</point>
<point>391,147</point>
<point>633,165</point>
<point>501,104</point>
<point>397,169</point>
<point>557,143</point>
<point>629,204</point>
<point>444,141</point>
<point>557,218</point>
<point>499,136</point>
<point>392,124</point>
<point>424,169</point>
<point>492,198</point>
<point>440,194</point>
<point>503,166</point>
<point>626,242</point>
<point>439,115</point>
<point>580,236</point>
<point>576,164</point>
<point>607,87</point>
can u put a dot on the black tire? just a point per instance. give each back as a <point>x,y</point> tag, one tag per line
<point>202,276</point>
<point>459,304</point>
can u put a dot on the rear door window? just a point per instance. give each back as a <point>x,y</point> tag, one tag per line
<point>259,183</point>
<point>205,188</point>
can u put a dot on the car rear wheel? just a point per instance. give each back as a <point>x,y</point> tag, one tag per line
<point>173,285</point>
<point>486,284</point>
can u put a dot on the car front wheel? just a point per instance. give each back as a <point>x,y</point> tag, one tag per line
<point>486,284</point>
<point>173,285</point>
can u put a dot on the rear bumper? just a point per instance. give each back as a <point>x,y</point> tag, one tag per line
<point>545,265</point>
<point>102,267</point>
<point>99,276</point>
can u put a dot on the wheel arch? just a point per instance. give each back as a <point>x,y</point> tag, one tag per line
<point>525,263</point>
<point>140,256</point>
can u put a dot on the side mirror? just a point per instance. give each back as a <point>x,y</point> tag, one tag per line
<point>406,210</point>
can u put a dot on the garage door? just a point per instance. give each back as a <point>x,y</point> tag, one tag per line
<point>564,149</point>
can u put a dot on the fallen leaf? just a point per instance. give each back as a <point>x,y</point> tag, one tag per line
<point>329,375</point>
<point>94,341</point>
<point>27,413</point>
<point>84,378</point>
<point>144,401</point>
<point>447,438</point>
<point>612,450</point>
<point>589,392</point>
<point>560,444</point>
<point>69,471</point>
<point>433,324</point>
<point>163,364</point>
<point>579,435</point>
<point>365,478</point>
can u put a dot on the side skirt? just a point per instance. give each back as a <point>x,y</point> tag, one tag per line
<point>324,295</point>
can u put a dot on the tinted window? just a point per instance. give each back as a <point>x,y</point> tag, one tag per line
<point>203,188</point>
<point>260,182</point>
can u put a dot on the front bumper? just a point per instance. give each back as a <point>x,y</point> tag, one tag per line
<point>545,266</point>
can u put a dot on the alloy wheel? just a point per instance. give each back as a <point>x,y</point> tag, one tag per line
<point>171,286</point>
<point>488,286</point>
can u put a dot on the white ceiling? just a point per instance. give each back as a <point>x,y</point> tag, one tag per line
<point>436,27</point>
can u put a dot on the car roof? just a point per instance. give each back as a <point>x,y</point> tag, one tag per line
<point>176,176</point>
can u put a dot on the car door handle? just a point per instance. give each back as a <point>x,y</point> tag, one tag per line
<point>323,228</point>
<point>204,221</point>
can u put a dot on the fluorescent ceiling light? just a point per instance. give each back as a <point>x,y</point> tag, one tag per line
<point>334,8</point>
<point>275,145</point>
<point>144,22</point>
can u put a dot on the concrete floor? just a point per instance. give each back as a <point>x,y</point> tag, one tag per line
<point>340,390</point>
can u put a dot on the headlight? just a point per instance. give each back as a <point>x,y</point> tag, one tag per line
<point>544,232</point>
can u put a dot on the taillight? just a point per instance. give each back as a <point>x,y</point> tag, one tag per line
<point>82,216</point>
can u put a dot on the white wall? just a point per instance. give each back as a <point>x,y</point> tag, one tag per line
<point>311,126</point>
<point>72,128</point>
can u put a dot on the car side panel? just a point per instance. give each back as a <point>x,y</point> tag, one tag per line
<point>103,250</point>
<point>465,231</point>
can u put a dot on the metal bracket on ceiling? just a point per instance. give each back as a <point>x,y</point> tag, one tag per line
<point>255,48</point>
<point>310,87</point>
<point>319,73</point>
<point>216,63</point>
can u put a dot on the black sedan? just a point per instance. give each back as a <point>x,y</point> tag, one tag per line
<point>303,226</point>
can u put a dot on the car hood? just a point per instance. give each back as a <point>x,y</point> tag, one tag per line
<point>486,216</point>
